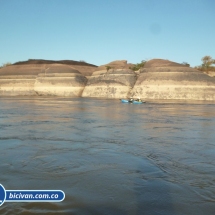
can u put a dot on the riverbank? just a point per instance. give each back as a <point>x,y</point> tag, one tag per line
<point>158,79</point>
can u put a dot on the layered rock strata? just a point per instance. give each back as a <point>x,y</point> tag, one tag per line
<point>41,77</point>
<point>159,79</point>
<point>162,79</point>
<point>18,80</point>
<point>60,80</point>
<point>113,80</point>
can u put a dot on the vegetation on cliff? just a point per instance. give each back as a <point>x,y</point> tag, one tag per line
<point>137,66</point>
<point>207,62</point>
<point>108,67</point>
<point>186,64</point>
<point>5,64</point>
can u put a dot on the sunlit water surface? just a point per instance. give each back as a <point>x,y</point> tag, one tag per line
<point>109,157</point>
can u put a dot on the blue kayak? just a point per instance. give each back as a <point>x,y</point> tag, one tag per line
<point>125,101</point>
<point>132,102</point>
<point>137,102</point>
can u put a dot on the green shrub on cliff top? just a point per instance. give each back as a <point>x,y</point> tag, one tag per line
<point>137,66</point>
<point>207,63</point>
<point>186,64</point>
<point>108,67</point>
<point>6,64</point>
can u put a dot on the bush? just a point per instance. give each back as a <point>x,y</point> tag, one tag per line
<point>108,67</point>
<point>186,64</point>
<point>138,66</point>
<point>6,64</point>
<point>207,62</point>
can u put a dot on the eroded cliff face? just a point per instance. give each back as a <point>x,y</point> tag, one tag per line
<point>113,80</point>
<point>44,78</point>
<point>162,79</point>
<point>18,80</point>
<point>159,79</point>
<point>60,80</point>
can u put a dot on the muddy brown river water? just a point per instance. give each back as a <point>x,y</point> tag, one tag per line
<point>157,158</point>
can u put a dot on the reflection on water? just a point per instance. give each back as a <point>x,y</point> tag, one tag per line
<point>109,157</point>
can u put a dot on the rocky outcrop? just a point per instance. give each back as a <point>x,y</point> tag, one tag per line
<point>18,80</point>
<point>163,79</point>
<point>159,79</point>
<point>60,80</point>
<point>113,80</point>
<point>41,77</point>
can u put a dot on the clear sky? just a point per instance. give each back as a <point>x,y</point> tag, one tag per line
<point>101,31</point>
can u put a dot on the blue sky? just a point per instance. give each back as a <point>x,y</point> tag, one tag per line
<point>101,31</point>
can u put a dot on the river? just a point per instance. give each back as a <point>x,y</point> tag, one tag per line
<point>109,158</point>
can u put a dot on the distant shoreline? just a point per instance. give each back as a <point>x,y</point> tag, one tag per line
<point>156,79</point>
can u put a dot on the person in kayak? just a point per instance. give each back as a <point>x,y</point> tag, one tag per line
<point>138,99</point>
<point>131,100</point>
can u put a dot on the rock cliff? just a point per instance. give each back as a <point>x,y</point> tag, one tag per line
<point>42,77</point>
<point>163,79</point>
<point>159,79</point>
<point>113,80</point>
<point>18,80</point>
<point>60,80</point>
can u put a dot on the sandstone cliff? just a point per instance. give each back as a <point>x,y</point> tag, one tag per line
<point>159,79</point>
<point>113,80</point>
<point>18,80</point>
<point>60,80</point>
<point>163,79</point>
<point>42,77</point>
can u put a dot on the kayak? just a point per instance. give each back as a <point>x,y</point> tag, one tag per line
<point>132,102</point>
<point>137,102</point>
<point>125,101</point>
